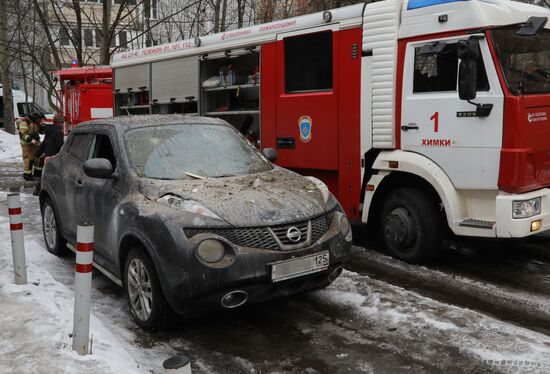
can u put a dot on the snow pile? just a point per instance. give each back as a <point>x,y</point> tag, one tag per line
<point>9,146</point>
<point>36,320</point>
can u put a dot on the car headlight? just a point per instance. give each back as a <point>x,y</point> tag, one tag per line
<point>190,206</point>
<point>526,208</point>
<point>211,251</point>
<point>319,185</point>
<point>344,226</point>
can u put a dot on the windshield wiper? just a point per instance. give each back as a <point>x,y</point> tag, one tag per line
<point>196,176</point>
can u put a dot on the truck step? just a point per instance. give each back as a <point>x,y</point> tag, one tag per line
<point>477,223</point>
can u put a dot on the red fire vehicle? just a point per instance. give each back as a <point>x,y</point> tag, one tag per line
<point>86,93</point>
<point>421,116</point>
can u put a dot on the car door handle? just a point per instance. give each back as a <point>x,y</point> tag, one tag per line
<point>410,126</point>
<point>78,183</point>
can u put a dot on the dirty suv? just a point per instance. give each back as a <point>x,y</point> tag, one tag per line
<point>189,216</point>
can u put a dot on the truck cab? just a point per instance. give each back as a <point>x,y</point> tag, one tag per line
<point>468,138</point>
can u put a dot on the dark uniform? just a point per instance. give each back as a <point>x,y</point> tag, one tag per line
<point>50,146</point>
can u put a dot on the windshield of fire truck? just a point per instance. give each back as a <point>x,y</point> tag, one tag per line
<point>192,151</point>
<point>525,60</point>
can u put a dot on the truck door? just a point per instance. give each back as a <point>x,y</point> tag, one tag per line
<point>307,103</point>
<point>437,124</point>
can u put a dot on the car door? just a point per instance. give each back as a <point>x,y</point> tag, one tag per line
<point>71,201</point>
<point>439,125</point>
<point>103,197</point>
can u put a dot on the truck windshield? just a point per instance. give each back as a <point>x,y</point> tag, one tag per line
<point>525,60</point>
<point>191,151</point>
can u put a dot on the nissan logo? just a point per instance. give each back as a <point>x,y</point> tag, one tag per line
<point>294,234</point>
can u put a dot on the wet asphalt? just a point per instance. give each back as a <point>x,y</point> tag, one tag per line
<point>505,280</point>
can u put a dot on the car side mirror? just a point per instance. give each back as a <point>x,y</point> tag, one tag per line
<point>468,52</point>
<point>98,168</point>
<point>270,154</point>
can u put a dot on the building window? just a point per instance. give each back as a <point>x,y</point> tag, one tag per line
<point>308,62</point>
<point>89,37</point>
<point>154,9</point>
<point>439,72</point>
<point>122,38</point>
<point>64,36</point>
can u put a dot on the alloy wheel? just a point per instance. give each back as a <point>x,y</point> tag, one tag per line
<point>140,290</point>
<point>50,227</point>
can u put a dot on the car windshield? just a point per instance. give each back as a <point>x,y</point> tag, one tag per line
<point>525,60</point>
<point>191,151</point>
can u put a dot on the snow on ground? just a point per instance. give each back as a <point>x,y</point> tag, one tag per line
<point>503,346</point>
<point>10,147</point>
<point>36,320</point>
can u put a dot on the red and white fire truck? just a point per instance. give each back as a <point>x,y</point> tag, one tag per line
<point>420,115</point>
<point>86,93</point>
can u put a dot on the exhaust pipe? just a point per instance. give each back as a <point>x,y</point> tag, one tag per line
<point>234,299</point>
<point>335,274</point>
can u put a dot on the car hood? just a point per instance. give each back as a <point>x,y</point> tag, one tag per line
<point>273,197</point>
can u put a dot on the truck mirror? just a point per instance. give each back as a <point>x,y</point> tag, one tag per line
<point>532,26</point>
<point>467,80</point>
<point>468,52</point>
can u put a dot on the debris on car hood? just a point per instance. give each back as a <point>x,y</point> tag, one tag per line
<point>268,198</point>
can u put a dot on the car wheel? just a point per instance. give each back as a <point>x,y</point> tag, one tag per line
<point>55,243</point>
<point>145,298</point>
<point>411,225</point>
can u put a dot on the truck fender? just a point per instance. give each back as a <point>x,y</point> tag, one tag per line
<point>422,167</point>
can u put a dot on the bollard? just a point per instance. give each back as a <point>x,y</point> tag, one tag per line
<point>17,241</point>
<point>179,364</point>
<point>83,287</point>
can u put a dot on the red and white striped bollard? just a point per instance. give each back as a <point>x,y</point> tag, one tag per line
<point>17,240</point>
<point>83,287</point>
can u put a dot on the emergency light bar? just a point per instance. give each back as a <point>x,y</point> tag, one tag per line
<point>416,4</point>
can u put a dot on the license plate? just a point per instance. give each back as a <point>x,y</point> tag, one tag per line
<point>298,267</point>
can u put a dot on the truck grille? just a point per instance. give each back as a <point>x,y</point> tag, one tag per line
<point>263,237</point>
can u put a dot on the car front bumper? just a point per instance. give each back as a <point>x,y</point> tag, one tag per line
<point>191,286</point>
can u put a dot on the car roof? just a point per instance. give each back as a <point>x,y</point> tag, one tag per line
<point>135,121</point>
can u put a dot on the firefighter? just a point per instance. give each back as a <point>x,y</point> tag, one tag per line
<point>29,136</point>
<point>50,146</point>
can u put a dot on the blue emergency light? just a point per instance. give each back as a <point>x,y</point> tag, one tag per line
<point>415,4</point>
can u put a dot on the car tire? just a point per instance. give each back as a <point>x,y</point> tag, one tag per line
<point>55,243</point>
<point>143,291</point>
<point>411,225</point>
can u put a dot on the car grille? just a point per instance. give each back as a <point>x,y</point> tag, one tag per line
<point>263,237</point>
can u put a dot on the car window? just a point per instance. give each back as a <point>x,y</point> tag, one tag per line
<point>102,148</point>
<point>79,145</point>
<point>191,151</point>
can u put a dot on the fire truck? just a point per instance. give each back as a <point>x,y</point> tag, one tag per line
<point>86,93</point>
<point>423,117</point>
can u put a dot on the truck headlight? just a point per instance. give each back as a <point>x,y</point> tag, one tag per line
<point>526,208</point>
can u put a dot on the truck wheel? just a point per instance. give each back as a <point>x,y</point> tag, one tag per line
<point>145,298</point>
<point>411,225</point>
<point>55,243</point>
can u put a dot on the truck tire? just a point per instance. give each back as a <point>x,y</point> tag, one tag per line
<point>55,243</point>
<point>142,287</point>
<point>411,225</point>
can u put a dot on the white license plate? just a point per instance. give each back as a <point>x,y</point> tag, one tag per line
<point>298,267</point>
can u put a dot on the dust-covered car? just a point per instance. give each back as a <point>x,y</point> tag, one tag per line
<point>189,215</point>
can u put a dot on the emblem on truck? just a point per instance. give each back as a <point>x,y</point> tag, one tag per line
<point>304,125</point>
